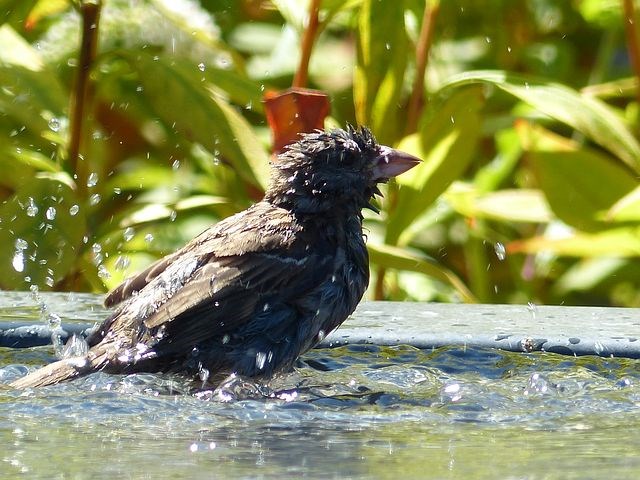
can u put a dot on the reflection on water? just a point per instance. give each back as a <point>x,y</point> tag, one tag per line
<point>348,412</point>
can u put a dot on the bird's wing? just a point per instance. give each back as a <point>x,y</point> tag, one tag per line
<point>214,284</point>
<point>232,236</point>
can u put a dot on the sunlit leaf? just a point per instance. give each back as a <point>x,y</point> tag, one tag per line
<point>579,185</point>
<point>619,242</point>
<point>379,74</point>
<point>17,51</point>
<point>412,261</point>
<point>627,209</point>
<point>586,114</point>
<point>588,273</point>
<point>504,205</point>
<point>41,232</point>
<point>446,144</point>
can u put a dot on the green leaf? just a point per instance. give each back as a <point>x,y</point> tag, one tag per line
<point>40,233</point>
<point>446,143</point>
<point>31,98</point>
<point>618,242</point>
<point>17,51</point>
<point>586,114</point>
<point>627,209</point>
<point>412,261</point>
<point>193,110</point>
<point>379,74</point>
<point>523,205</point>
<point>579,185</point>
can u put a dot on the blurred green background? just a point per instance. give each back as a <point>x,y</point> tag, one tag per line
<point>526,117</point>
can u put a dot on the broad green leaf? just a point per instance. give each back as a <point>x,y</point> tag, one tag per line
<point>618,242</point>
<point>40,232</point>
<point>522,205</point>
<point>446,143</point>
<point>379,74</point>
<point>159,212</point>
<point>31,98</point>
<point>239,88</point>
<point>198,114</point>
<point>579,185</point>
<point>412,261</point>
<point>586,114</point>
<point>587,273</point>
<point>35,160</point>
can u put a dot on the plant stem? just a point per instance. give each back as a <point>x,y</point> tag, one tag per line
<point>90,13</point>
<point>632,40</point>
<point>416,102</point>
<point>310,32</point>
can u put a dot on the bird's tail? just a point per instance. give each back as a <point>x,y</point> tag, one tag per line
<point>62,370</point>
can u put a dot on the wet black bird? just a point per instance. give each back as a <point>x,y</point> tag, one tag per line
<point>258,289</point>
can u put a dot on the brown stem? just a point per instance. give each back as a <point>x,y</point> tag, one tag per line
<point>90,13</point>
<point>300,78</point>
<point>632,40</point>
<point>422,57</point>
<point>378,289</point>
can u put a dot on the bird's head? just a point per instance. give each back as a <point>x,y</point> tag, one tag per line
<point>334,171</point>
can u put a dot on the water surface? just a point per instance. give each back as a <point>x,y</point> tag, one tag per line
<point>348,412</point>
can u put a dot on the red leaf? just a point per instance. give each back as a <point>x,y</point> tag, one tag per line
<point>295,111</point>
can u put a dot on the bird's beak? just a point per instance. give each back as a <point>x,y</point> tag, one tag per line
<point>391,163</point>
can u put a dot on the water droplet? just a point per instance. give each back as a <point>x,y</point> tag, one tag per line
<point>76,347</point>
<point>122,262</point>
<point>95,199</point>
<point>92,181</point>
<point>201,67</point>
<point>148,238</point>
<point>103,272</point>
<point>139,88</point>
<point>226,339</point>
<point>54,320</point>
<point>32,208</point>
<point>500,250</point>
<point>175,165</point>
<point>18,261</point>
<point>321,335</point>
<point>128,234</point>
<point>537,384</point>
<point>73,210</point>
<point>21,244</point>
<point>50,213</point>
<point>532,307</point>
<point>261,359</point>
<point>54,124</point>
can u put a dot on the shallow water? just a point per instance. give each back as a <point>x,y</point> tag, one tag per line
<point>348,412</point>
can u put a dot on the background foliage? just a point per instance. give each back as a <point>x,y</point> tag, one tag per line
<point>524,111</point>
